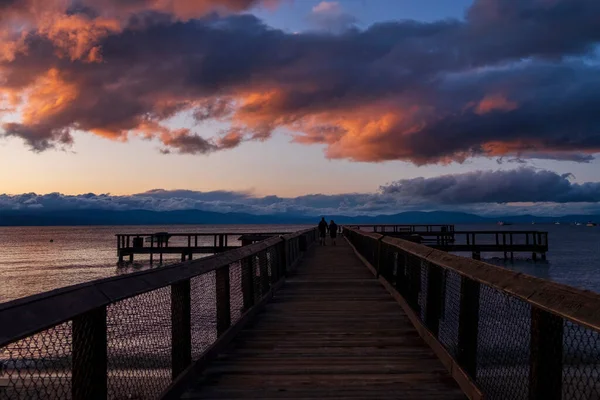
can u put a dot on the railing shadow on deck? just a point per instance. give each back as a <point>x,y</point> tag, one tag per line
<point>132,336</point>
<point>516,336</point>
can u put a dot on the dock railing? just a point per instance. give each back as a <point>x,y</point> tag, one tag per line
<point>514,335</point>
<point>133,336</point>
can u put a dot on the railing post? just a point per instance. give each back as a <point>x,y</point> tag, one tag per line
<point>401,274</point>
<point>434,299</point>
<point>302,243</point>
<point>414,286</point>
<point>545,369</point>
<point>264,273</point>
<point>378,263</point>
<point>181,327</point>
<point>247,282</point>
<point>223,300</point>
<point>284,257</point>
<point>89,372</point>
<point>468,325</point>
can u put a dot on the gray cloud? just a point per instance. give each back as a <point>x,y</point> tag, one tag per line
<point>483,192</point>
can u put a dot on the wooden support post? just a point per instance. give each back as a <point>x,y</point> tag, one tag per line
<point>131,258</point>
<point>378,258</point>
<point>221,243</point>
<point>264,273</point>
<point>302,243</point>
<point>151,250</point>
<point>120,258</point>
<point>468,323</point>
<point>190,256</point>
<point>127,240</point>
<point>189,241</point>
<point>181,327</point>
<point>118,243</point>
<point>89,370</point>
<point>545,370</point>
<point>414,286</point>
<point>247,282</point>
<point>400,274</point>
<point>504,245</point>
<point>161,258</point>
<point>476,255</point>
<point>182,257</point>
<point>223,300</point>
<point>196,241</point>
<point>284,260</point>
<point>434,299</point>
<point>534,256</point>
<point>543,256</point>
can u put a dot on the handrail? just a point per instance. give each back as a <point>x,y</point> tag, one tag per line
<point>26,316</point>
<point>515,335</point>
<point>577,305</point>
<point>204,233</point>
<point>99,337</point>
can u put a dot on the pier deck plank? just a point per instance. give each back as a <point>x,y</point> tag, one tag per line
<point>332,331</point>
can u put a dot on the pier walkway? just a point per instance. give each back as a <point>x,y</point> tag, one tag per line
<point>376,317</point>
<point>332,331</point>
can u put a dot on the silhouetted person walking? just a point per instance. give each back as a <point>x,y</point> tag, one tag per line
<point>333,228</point>
<point>322,231</point>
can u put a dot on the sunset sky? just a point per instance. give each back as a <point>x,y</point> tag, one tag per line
<point>373,106</point>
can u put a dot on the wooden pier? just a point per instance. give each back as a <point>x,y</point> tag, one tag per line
<point>185,244</point>
<point>446,238</point>
<point>374,317</point>
<point>332,331</point>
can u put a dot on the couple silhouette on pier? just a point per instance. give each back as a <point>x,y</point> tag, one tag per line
<point>323,228</point>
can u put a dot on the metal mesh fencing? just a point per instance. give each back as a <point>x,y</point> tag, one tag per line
<point>133,348</point>
<point>38,366</point>
<point>203,319</point>
<point>503,345</point>
<point>139,345</point>
<point>450,314</point>
<point>581,362</point>
<point>511,348</point>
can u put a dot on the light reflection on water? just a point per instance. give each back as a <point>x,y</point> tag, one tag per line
<point>30,263</point>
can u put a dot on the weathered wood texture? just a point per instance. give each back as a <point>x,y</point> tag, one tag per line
<point>332,331</point>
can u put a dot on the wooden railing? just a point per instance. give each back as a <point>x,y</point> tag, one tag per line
<point>514,335</point>
<point>135,335</point>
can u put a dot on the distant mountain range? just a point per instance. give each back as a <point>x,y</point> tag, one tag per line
<point>145,217</point>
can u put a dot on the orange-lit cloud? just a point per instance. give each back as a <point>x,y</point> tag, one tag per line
<point>494,103</point>
<point>422,92</point>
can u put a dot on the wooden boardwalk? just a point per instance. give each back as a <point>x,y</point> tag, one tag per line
<point>332,331</point>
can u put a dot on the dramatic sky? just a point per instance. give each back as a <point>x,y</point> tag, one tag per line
<point>354,106</point>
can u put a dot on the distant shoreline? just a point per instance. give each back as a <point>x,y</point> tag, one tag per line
<point>101,217</point>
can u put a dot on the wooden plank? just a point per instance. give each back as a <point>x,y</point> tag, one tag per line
<point>331,331</point>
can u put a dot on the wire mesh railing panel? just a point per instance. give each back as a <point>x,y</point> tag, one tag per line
<point>203,318</point>
<point>503,348</point>
<point>448,334</point>
<point>424,275</point>
<point>139,345</point>
<point>581,362</point>
<point>236,294</point>
<point>38,366</point>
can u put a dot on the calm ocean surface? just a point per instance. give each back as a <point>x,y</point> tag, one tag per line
<point>30,263</point>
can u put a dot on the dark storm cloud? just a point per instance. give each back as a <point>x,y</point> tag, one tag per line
<point>510,80</point>
<point>520,185</point>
